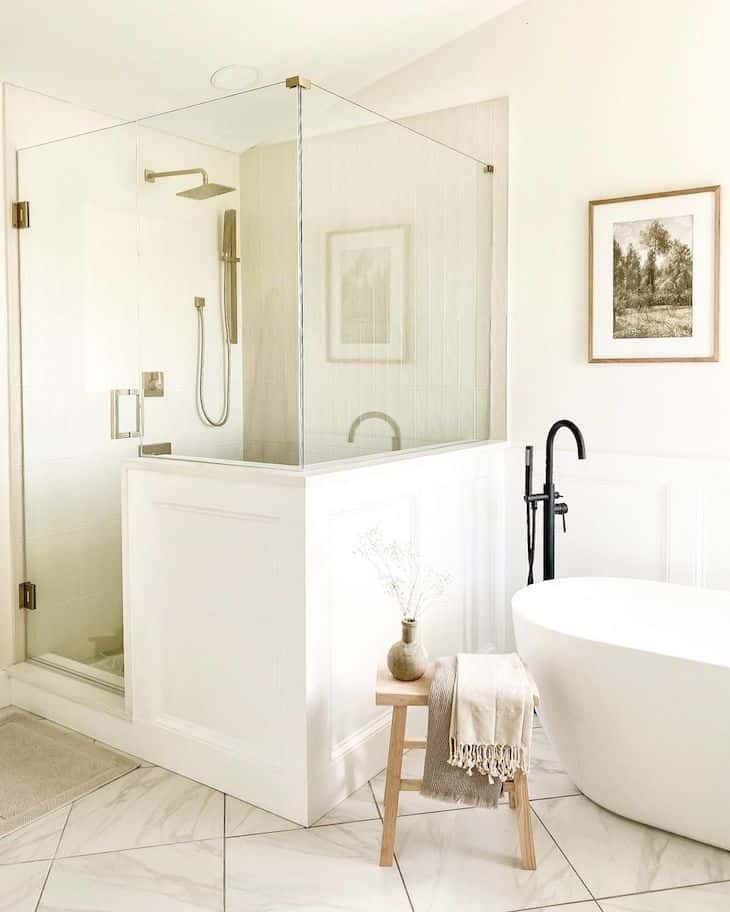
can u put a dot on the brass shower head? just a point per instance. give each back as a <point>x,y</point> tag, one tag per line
<point>203,191</point>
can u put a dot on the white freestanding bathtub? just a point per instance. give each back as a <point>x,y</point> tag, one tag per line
<point>634,680</point>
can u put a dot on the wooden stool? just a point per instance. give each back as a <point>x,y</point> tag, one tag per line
<point>400,695</point>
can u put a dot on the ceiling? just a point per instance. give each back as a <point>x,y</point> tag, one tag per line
<point>129,58</point>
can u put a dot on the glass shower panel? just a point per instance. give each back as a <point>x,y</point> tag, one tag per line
<point>396,235</point>
<point>219,279</point>
<point>78,300</point>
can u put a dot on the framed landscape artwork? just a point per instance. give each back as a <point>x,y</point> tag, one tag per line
<point>367,274</point>
<point>654,277</point>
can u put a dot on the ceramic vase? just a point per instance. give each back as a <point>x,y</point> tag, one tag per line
<point>407,659</point>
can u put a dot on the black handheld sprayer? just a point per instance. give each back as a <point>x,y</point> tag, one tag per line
<point>552,504</point>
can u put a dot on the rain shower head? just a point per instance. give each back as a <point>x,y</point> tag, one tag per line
<point>203,191</point>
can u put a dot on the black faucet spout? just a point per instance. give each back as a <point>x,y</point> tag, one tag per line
<point>579,442</point>
<point>550,506</point>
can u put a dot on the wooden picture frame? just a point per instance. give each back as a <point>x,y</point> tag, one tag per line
<point>665,304</point>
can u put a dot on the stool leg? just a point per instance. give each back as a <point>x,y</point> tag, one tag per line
<point>392,784</point>
<point>524,822</point>
<point>512,800</point>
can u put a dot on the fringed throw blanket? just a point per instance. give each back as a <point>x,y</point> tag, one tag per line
<point>491,716</point>
<point>440,780</point>
<point>479,718</point>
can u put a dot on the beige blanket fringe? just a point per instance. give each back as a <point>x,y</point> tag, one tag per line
<point>491,716</point>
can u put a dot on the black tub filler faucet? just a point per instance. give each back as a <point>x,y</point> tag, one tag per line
<point>552,503</point>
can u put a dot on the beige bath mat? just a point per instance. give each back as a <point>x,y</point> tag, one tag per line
<point>44,766</point>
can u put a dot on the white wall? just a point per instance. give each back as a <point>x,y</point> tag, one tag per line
<point>606,99</point>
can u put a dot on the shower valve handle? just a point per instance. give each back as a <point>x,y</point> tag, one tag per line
<point>560,510</point>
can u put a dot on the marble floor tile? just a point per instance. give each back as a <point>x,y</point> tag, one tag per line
<point>412,802</point>
<point>148,806</point>
<point>243,819</point>
<point>547,778</point>
<point>469,860</point>
<point>116,750</point>
<point>617,856</point>
<point>36,840</point>
<point>328,867</point>
<point>358,806</point>
<point>588,906</point>
<point>174,878</point>
<point>707,898</point>
<point>21,885</point>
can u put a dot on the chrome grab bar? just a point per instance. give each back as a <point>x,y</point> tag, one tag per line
<point>115,395</point>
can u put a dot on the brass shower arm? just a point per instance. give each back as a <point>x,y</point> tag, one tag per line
<point>151,176</point>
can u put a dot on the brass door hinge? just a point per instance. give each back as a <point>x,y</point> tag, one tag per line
<point>26,596</point>
<point>21,214</point>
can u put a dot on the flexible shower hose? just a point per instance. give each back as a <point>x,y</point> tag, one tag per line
<point>202,411</point>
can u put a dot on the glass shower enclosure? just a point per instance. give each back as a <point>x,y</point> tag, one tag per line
<point>277,277</point>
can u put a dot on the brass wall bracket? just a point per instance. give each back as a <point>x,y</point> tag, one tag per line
<point>488,169</point>
<point>298,82</point>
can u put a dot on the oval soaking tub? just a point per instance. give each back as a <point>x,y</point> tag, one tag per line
<point>634,680</point>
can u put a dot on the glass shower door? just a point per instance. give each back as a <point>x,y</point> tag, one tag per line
<point>80,379</point>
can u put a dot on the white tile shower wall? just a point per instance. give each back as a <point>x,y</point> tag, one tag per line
<point>381,175</point>
<point>180,245</point>
<point>268,180</point>
<point>354,179</point>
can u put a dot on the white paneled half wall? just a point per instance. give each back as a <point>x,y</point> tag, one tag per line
<point>254,631</point>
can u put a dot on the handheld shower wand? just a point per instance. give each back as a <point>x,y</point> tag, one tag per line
<point>229,321</point>
<point>530,515</point>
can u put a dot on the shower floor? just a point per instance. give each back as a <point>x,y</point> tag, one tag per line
<point>106,670</point>
<point>113,663</point>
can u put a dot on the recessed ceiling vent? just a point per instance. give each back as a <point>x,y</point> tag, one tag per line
<point>235,78</point>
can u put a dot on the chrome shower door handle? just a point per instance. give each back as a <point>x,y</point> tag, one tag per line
<point>115,396</point>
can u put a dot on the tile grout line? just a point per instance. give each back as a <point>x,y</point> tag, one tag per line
<point>395,857</point>
<point>403,881</point>
<point>599,899</point>
<point>55,852</point>
<point>323,826</point>
<point>225,852</point>
<point>691,886</point>
<point>375,800</point>
<point>560,849</point>
<point>43,887</point>
<point>560,905</point>
<point>554,797</point>
<point>141,848</point>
